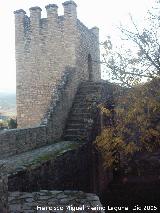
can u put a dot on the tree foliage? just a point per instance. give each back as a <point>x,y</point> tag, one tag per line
<point>12,123</point>
<point>8,124</point>
<point>136,125</point>
<point>138,56</point>
<point>3,124</point>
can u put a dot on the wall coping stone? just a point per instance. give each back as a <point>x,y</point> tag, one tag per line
<point>19,11</point>
<point>51,6</point>
<point>69,2</point>
<point>35,8</point>
<point>35,158</point>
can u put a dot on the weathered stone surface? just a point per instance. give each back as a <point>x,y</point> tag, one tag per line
<point>16,141</point>
<point>60,166</point>
<point>65,164</point>
<point>53,56</point>
<point>3,193</point>
<point>46,84</point>
<point>21,140</point>
<point>44,48</point>
<point>83,120</point>
<point>75,201</point>
<point>36,157</point>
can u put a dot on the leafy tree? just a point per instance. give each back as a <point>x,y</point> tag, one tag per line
<point>136,124</point>
<point>3,124</point>
<point>136,114</point>
<point>129,66</point>
<point>12,123</point>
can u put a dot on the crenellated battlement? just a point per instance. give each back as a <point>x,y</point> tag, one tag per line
<point>35,19</point>
<point>52,12</point>
<point>70,9</point>
<point>20,11</point>
<point>44,48</point>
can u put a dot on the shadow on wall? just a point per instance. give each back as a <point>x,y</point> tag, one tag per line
<point>90,69</point>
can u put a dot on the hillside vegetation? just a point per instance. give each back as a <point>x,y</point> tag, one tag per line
<point>7,104</point>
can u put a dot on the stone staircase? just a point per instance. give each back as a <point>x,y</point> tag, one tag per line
<point>63,165</point>
<point>38,163</point>
<point>84,112</point>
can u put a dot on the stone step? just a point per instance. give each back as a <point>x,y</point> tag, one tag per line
<point>86,98</point>
<point>83,104</point>
<point>81,117</point>
<point>78,125</point>
<point>75,131</point>
<point>80,109</point>
<point>75,125</point>
<point>75,137</point>
<point>89,91</point>
<point>80,121</point>
<point>80,114</point>
<point>91,83</point>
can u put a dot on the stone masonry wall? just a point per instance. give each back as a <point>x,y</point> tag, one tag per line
<point>55,201</point>
<point>60,105</point>
<point>41,58</point>
<point>44,48</point>
<point>88,45</point>
<point>16,141</point>
<point>3,194</point>
<point>70,169</point>
<point>21,140</point>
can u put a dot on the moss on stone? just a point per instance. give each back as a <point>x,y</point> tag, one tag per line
<point>69,146</point>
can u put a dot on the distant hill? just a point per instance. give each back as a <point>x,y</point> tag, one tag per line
<point>7,103</point>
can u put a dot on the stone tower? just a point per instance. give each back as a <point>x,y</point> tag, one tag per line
<point>44,48</point>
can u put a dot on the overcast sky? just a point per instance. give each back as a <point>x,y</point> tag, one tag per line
<point>103,13</point>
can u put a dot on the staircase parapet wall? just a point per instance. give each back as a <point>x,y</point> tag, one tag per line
<point>17,141</point>
<point>104,96</point>
<point>61,102</point>
<point>83,120</point>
